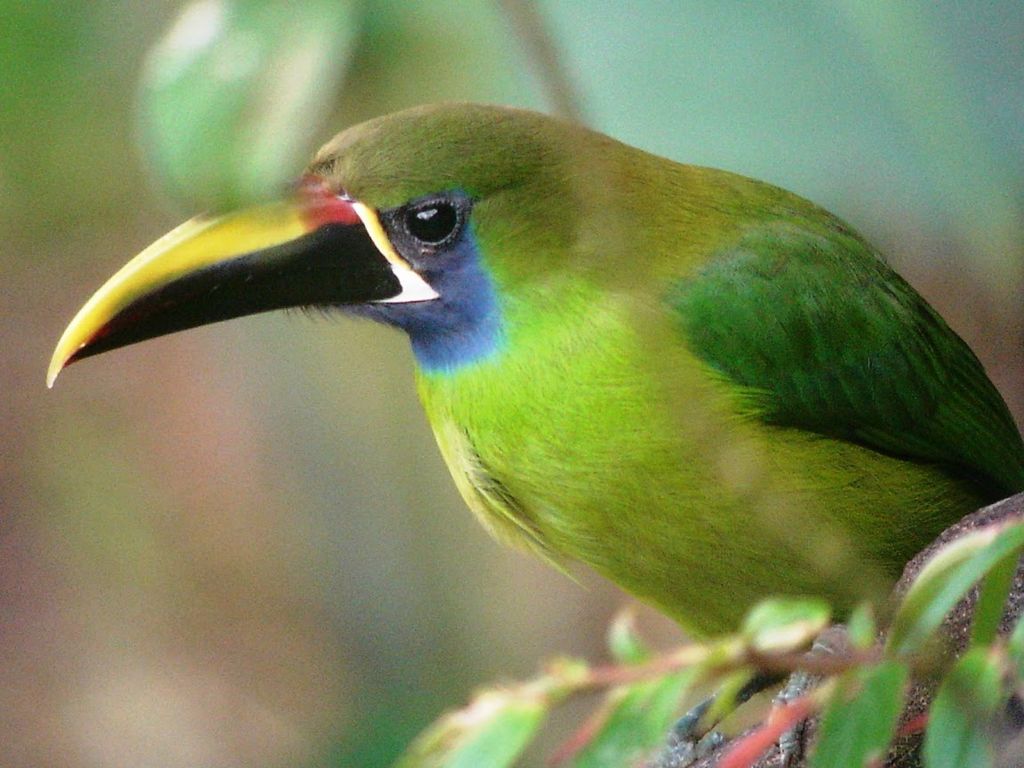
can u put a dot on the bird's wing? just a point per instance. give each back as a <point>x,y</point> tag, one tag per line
<point>828,338</point>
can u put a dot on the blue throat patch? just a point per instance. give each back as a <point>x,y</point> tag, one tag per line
<point>461,327</point>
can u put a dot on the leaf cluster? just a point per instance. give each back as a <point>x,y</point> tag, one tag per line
<point>864,700</point>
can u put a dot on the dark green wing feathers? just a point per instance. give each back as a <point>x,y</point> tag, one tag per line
<point>828,338</point>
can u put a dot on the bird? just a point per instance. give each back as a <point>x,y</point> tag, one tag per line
<point>704,387</point>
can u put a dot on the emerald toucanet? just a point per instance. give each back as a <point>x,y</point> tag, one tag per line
<point>705,387</point>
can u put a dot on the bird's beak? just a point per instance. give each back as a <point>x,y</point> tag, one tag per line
<point>318,249</point>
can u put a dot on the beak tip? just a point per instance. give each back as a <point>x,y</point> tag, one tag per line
<point>58,363</point>
<point>51,374</point>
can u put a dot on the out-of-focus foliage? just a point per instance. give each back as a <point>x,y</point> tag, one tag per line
<point>963,719</point>
<point>946,578</point>
<point>860,693</point>
<point>239,547</point>
<point>235,92</point>
<point>856,729</point>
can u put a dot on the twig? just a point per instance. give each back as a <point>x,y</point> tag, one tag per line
<point>745,751</point>
<point>528,25</point>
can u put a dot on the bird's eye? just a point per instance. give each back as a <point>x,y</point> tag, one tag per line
<point>432,223</point>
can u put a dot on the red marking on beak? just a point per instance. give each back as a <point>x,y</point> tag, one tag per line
<point>322,206</point>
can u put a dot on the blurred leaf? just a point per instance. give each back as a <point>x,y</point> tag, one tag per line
<point>946,578</point>
<point>624,642</point>
<point>959,728</point>
<point>725,701</point>
<point>857,730</point>
<point>861,627</point>
<point>1015,646</point>
<point>988,611</point>
<point>233,93</point>
<point>785,624</point>
<point>492,731</point>
<point>634,720</point>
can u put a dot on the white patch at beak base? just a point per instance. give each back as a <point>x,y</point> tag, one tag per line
<point>414,287</point>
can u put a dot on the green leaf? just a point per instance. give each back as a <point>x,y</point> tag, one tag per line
<point>861,627</point>
<point>728,688</point>
<point>946,578</point>
<point>234,93</point>
<point>624,642</point>
<point>857,730</point>
<point>785,624</point>
<point>959,731</point>
<point>988,611</point>
<point>492,731</point>
<point>1015,647</point>
<point>636,719</point>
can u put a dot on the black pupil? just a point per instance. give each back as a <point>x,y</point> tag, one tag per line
<point>432,223</point>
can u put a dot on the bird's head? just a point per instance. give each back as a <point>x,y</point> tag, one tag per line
<point>430,219</point>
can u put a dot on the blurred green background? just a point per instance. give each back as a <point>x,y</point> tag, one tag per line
<point>238,546</point>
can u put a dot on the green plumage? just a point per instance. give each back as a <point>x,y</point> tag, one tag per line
<point>829,339</point>
<point>708,389</point>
